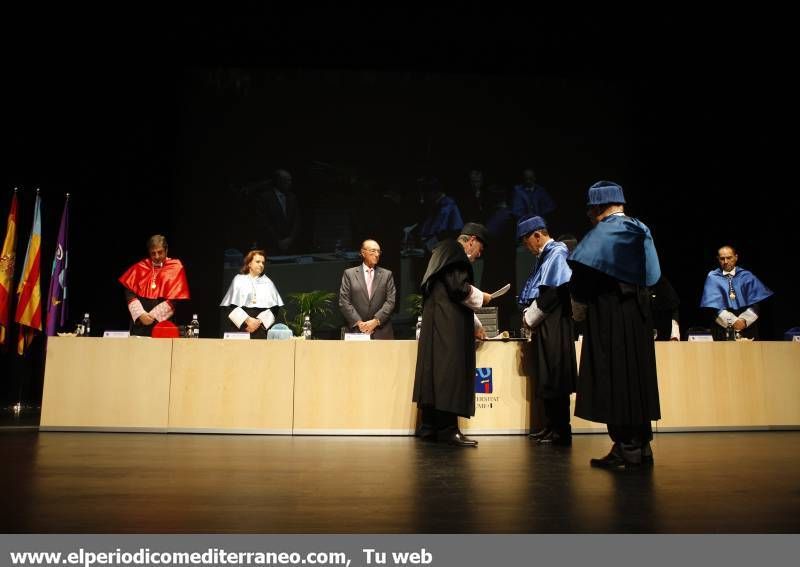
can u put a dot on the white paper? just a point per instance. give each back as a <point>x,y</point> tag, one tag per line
<point>498,336</point>
<point>502,291</point>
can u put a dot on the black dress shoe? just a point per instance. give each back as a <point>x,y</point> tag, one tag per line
<point>425,433</point>
<point>556,437</point>
<point>429,436</point>
<point>647,454</point>
<point>622,455</point>
<point>544,432</point>
<point>458,439</point>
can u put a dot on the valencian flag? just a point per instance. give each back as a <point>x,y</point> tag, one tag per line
<point>29,292</point>
<point>57,296</point>
<point>8,257</point>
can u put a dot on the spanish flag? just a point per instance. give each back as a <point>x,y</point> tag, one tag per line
<point>8,257</point>
<point>29,302</point>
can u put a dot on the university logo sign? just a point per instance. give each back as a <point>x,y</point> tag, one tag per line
<point>483,381</point>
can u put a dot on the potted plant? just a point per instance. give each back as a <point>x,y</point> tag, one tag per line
<point>316,304</point>
<point>414,302</point>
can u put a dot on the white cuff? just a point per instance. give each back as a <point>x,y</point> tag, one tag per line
<point>476,322</point>
<point>161,312</point>
<point>238,316</point>
<point>749,316</point>
<point>474,299</point>
<point>267,318</point>
<point>725,318</point>
<point>136,309</point>
<point>533,316</point>
<point>578,310</point>
<point>676,331</point>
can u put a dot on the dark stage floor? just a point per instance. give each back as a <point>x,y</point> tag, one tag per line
<point>159,483</point>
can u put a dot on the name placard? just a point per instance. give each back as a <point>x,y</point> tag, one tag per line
<point>700,338</point>
<point>116,334</point>
<point>357,337</point>
<point>237,336</point>
<point>796,339</point>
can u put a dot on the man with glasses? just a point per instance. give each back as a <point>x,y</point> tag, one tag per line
<point>367,295</point>
<point>444,384</point>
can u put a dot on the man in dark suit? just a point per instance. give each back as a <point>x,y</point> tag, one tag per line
<point>367,295</point>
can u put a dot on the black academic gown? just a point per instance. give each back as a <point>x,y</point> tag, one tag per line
<point>617,381</point>
<point>445,372</point>
<point>664,304</point>
<point>552,348</point>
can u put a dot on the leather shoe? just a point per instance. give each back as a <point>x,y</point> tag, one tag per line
<point>544,432</point>
<point>622,455</point>
<point>647,454</point>
<point>560,438</point>
<point>458,439</point>
<point>427,434</point>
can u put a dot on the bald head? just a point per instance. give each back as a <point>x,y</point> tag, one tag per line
<point>370,252</point>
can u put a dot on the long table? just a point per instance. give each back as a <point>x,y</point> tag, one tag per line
<point>364,388</point>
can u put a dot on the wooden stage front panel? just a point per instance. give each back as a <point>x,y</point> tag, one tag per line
<point>342,387</point>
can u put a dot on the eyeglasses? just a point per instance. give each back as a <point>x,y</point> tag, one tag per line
<point>373,250</point>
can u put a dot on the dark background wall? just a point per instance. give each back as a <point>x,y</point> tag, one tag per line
<point>156,143</point>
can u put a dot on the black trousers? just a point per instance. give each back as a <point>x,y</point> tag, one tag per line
<point>435,419</point>
<point>556,412</point>
<point>631,434</point>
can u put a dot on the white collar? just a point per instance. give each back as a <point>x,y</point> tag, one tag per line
<point>731,273</point>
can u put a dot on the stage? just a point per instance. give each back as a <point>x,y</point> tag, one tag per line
<point>56,482</point>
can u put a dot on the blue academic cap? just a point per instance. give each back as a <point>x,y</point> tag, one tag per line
<point>528,225</point>
<point>603,193</point>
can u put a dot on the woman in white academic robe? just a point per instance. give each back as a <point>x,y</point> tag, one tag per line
<point>252,300</point>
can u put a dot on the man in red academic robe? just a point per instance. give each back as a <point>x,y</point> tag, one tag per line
<point>151,286</point>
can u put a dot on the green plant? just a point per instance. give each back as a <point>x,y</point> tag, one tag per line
<point>314,304</point>
<point>414,301</point>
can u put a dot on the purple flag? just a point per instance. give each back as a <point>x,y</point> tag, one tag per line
<point>57,296</point>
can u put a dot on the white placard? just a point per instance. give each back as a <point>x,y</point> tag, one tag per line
<point>116,334</point>
<point>237,336</point>
<point>796,339</point>
<point>700,338</point>
<point>357,337</point>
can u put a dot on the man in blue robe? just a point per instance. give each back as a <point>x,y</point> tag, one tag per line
<point>612,267</point>
<point>551,351</point>
<point>733,294</point>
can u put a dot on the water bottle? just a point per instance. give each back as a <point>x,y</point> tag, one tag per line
<point>193,329</point>
<point>730,333</point>
<point>85,326</point>
<point>307,328</point>
<point>418,326</point>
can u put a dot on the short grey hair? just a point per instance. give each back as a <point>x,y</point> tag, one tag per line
<point>157,240</point>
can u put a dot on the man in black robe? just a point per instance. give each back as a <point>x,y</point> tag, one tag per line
<point>612,268</point>
<point>445,373</point>
<point>549,316</point>
<point>664,303</point>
